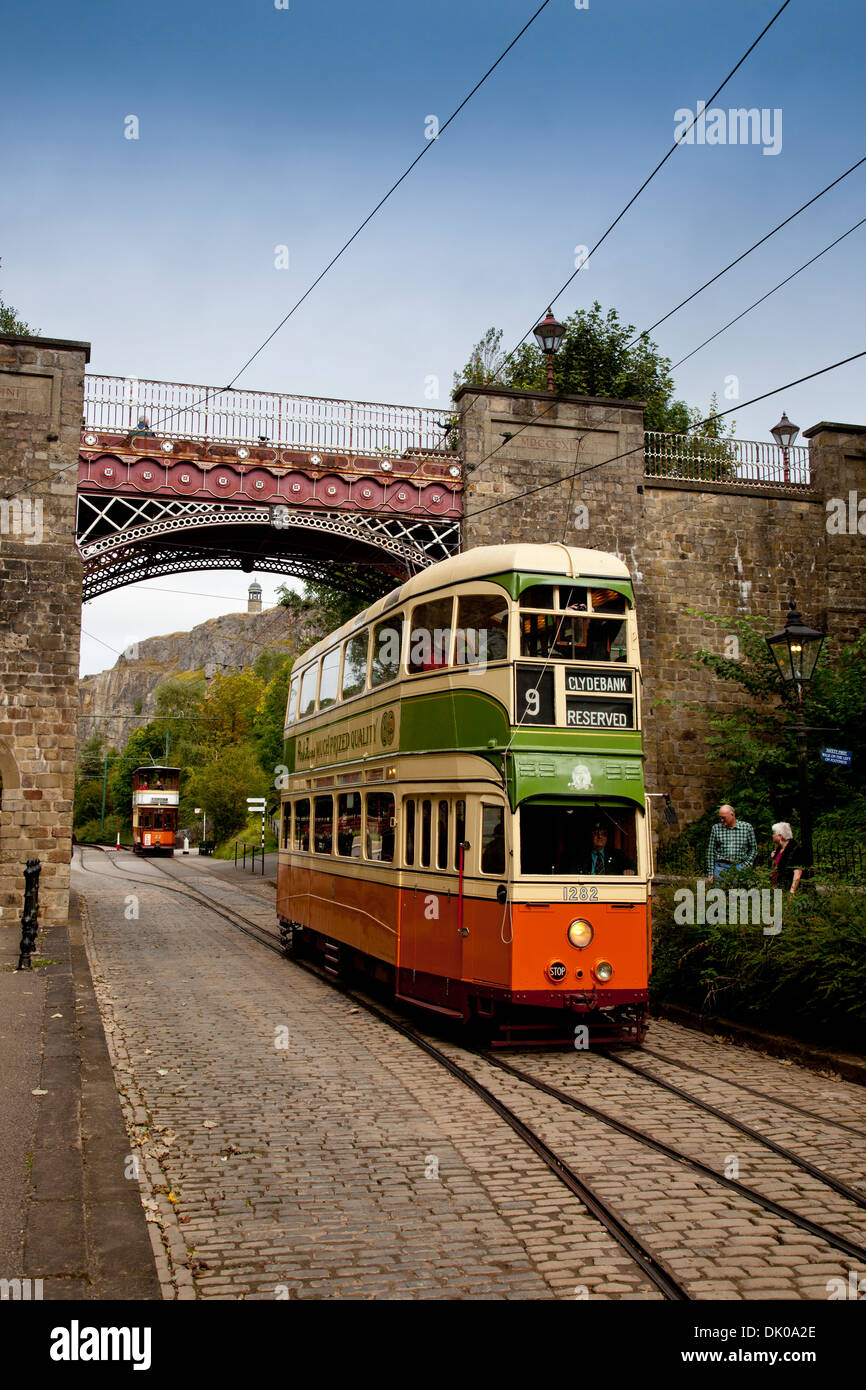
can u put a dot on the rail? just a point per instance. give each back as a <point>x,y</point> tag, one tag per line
<point>726,462</point>
<point>180,410</point>
<point>253,851</point>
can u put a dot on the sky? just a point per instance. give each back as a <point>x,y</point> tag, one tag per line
<point>260,127</point>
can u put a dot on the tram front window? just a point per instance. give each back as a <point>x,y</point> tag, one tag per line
<point>568,638</point>
<point>573,838</point>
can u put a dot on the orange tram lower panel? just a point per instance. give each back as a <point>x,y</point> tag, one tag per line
<point>153,842</point>
<point>477,957</point>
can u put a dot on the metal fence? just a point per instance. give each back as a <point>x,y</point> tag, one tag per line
<point>842,859</point>
<point>731,462</point>
<point>178,410</point>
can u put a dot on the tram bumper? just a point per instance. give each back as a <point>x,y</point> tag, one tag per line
<point>580,1001</point>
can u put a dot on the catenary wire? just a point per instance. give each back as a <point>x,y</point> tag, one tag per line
<point>781,283</point>
<point>406,172</point>
<point>652,175</point>
<point>748,252</point>
<point>718,415</point>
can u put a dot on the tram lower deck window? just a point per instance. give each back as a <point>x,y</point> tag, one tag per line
<point>493,840</point>
<point>301,826</point>
<point>380,826</point>
<point>573,838</point>
<point>349,825</point>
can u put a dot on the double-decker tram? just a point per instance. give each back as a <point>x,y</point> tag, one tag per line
<point>463,814</point>
<point>155,792</point>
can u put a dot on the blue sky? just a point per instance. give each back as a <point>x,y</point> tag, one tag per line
<point>262,127</point>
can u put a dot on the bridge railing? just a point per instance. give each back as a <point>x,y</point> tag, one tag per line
<point>179,410</point>
<point>736,462</point>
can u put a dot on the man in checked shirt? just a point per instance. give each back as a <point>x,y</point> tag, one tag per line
<point>732,844</point>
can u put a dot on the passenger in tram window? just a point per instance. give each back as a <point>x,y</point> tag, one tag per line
<point>143,785</point>
<point>159,785</point>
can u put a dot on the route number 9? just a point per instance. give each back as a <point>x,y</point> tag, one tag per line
<point>533,703</point>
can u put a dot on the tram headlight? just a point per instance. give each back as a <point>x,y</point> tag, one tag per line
<point>602,970</point>
<point>580,934</point>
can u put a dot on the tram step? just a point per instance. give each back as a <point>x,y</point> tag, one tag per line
<point>332,958</point>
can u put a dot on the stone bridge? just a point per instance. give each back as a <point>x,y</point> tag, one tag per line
<point>108,480</point>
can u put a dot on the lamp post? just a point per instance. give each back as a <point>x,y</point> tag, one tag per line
<point>784,434</point>
<point>795,651</point>
<point>549,334</point>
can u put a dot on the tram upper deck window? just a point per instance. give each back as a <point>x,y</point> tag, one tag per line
<point>607,601</point>
<point>482,630</point>
<point>387,641</point>
<point>430,635</point>
<point>569,638</point>
<point>308,690</point>
<point>291,714</point>
<point>539,596</point>
<point>355,664</point>
<point>330,678</point>
<point>574,838</point>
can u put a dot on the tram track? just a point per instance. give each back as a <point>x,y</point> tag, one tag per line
<point>750,1090</point>
<point>657,1272</point>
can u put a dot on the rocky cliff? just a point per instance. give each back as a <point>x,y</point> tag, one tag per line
<point>112,700</point>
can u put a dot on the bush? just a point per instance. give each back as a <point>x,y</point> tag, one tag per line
<point>807,982</point>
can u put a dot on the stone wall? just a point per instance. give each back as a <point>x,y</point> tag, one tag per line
<point>41,397</point>
<point>690,547</point>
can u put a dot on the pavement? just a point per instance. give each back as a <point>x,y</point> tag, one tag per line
<point>68,1214</point>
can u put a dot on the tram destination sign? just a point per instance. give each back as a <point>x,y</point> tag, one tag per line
<point>598,714</point>
<point>579,681</point>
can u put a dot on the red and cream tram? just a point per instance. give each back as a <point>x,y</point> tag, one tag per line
<point>155,792</point>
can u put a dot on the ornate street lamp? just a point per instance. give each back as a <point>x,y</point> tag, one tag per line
<point>784,434</point>
<point>795,651</point>
<point>549,334</point>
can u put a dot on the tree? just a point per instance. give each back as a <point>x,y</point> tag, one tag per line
<point>599,356</point>
<point>229,709</point>
<point>271,718</point>
<point>223,786</point>
<point>332,605</point>
<point>755,742</point>
<point>145,746</point>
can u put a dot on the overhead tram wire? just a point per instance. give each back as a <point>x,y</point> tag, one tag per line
<point>381,203</point>
<point>781,283</point>
<point>718,415</point>
<point>210,394</point>
<point>558,396</point>
<point>648,180</point>
<point>694,294</point>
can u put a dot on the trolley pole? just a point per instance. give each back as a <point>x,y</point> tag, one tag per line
<point>104,784</point>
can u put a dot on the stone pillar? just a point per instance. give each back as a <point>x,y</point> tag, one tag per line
<point>552,438</point>
<point>837,456</point>
<point>41,401</point>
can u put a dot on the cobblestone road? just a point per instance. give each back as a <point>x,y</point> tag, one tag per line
<point>291,1145</point>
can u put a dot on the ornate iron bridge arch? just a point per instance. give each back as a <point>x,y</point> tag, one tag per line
<point>175,478</point>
